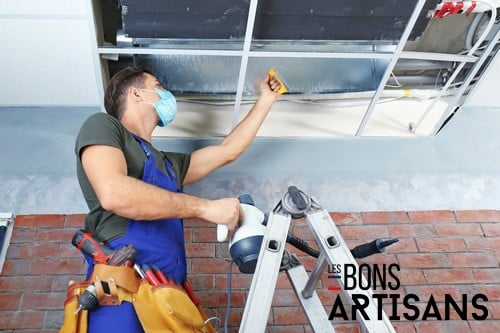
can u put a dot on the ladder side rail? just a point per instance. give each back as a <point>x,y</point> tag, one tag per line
<point>335,249</point>
<point>260,296</point>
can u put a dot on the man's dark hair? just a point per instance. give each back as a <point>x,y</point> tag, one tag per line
<point>116,91</point>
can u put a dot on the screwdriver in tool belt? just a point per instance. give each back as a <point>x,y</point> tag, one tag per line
<point>150,275</point>
<point>161,277</point>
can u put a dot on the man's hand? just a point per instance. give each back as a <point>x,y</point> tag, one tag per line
<point>223,211</point>
<point>269,88</point>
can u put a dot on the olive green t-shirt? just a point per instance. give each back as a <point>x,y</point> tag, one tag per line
<point>103,129</point>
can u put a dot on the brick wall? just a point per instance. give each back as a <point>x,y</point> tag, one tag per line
<point>439,252</point>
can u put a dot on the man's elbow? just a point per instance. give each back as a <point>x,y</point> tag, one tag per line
<point>232,155</point>
<point>231,158</point>
<point>109,200</point>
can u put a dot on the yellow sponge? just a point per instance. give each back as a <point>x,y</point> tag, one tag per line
<point>284,89</point>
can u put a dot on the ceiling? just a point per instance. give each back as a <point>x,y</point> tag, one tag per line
<point>353,68</point>
<point>383,68</point>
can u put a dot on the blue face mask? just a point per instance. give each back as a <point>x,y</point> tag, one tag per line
<point>166,106</point>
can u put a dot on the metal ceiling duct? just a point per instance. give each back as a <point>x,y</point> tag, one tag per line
<point>280,26</point>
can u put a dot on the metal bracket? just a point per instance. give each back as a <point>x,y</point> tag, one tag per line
<point>6,226</point>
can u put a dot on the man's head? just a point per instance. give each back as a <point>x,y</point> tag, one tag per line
<point>116,92</point>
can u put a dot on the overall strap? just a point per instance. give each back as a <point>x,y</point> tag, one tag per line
<point>150,156</point>
<point>143,146</point>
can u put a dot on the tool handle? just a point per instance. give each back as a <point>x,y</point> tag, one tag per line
<point>84,242</point>
<point>150,275</point>
<point>297,198</point>
<point>124,256</point>
<point>376,246</point>
<point>102,254</point>
<point>222,232</point>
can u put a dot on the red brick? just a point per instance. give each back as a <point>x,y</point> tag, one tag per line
<point>487,326</point>
<point>406,327</point>
<point>346,328</point>
<point>326,296</point>
<point>287,329</point>
<point>409,277</point>
<point>200,250</point>
<point>428,260</point>
<point>303,232</point>
<point>61,281</point>
<point>21,319</point>
<point>53,319</point>
<point>55,235</point>
<point>384,217</point>
<point>204,235</point>
<point>188,235</point>
<point>16,267</point>
<point>32,251</point>
<point>68,251</point>
<point>449,276</point>
<point>75,221</point>
<point>367,231</point>
<point>463,229</point>
<point>238,281</point>
<point>483,243</point>
<point>472,260</point>
<point>478,216</point>
<point>443,326</point>
<point>285,297</point>
<point>283,282</point>
<point>379,259</point>
<point>219,299</point>
<point>494,309</point>
<point>424,292</point>
<point>487,275</point>
<point>432,216</point>
<point>222,250</point>
<point>43,301</point>
<point>491,230</point>
<point>441,244</point>
<point>209,266</point>
<point>492,291</point>
<point>9,301</point>
<point>408,230</point>
<point>288,316</point>
<point>64,266</point>
<point>23,283</point>
<point>235,316</point>
<point>197,223</point>
<point>346,218</point>
<point>403,245</point>
<point>23,235</point>
<point>202,282</point>
<point>40,221</point>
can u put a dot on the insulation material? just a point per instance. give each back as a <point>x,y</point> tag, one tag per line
<point>219,75</point>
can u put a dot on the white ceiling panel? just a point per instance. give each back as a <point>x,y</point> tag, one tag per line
<point>47,61</point>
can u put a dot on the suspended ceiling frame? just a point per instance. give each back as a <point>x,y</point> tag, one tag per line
<point>398,53</point>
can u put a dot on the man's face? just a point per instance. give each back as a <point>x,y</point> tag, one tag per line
<point>150,84</point>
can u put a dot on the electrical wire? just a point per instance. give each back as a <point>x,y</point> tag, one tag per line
<point>228,305</point>
<point>398,85</point>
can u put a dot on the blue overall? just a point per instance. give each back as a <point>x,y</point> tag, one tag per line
<point>159,242</point>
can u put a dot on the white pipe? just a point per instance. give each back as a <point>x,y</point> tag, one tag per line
<point>469,38</point>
